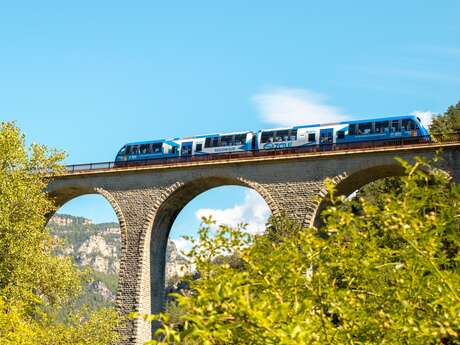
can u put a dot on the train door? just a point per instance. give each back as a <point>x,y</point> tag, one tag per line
<point>186,149</point>
<point>326,136</point>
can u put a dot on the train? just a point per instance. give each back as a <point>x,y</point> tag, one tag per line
<point>288,138</point>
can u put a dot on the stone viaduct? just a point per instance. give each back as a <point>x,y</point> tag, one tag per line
<point>147,200</point>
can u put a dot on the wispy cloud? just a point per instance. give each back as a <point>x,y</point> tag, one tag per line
<point>283,106</point>
<point>253,211</point>
<point>425,116</point>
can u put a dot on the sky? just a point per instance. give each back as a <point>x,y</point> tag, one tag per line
<point>87,77</point>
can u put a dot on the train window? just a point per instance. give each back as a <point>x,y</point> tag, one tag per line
<point>199,147</point>
<point>282,135</point>
<point>408,125</point>
<point>226,140</point>
<point>340,134</point>
<point>311,137</point>
<point>211,142</point>
<point>395,126</point>
<point>173,150</point>
<point>240,139</point>
<point>404,124</point>
<point>382,126</point>
<point>267,137</point>
<point>134,150</point>
<point>293,134</point>
<point>365,128</point>
<point>156,148</point>
<point>144,148</point>
<point>352,129</point>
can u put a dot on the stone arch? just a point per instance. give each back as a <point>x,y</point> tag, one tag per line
<point>346,183</point>
<point>155,234</point>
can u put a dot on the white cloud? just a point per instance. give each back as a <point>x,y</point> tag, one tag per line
<point>284,106</point>
<point>253,211</point>
<point>425,116</point>
<point>182,244</point>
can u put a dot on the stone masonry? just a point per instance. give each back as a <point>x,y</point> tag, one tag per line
<point>148,199</point>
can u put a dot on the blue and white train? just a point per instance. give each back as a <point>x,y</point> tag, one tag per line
<point>380,129</point>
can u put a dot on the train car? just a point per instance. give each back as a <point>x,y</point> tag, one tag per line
<point>341,133</point>
<point>186,147</point>
<point>361,131</point>
<point>146,150</point>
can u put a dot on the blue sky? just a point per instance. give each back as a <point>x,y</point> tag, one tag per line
<point>89,76</point>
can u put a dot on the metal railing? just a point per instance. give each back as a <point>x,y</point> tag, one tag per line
<point>322,148</point>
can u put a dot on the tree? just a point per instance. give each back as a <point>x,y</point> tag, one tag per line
<point>34,283</point>
<point>389,274</point>
<point>445,124</point>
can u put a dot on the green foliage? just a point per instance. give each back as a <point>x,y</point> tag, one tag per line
<point>389,274</point>
<point>34,283</point>
<point>27,270</point>
<point>444,125</point>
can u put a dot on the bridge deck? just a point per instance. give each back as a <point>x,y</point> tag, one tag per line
<point>250,157</point>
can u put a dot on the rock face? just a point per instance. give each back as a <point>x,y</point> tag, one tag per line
<point>100,254</point>
<point>98,246</point>
<point>176,265</point>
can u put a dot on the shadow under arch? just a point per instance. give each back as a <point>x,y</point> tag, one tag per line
<point>356,180</point>
<point>160,223</point>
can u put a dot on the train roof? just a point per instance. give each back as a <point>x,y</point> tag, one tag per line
<point>185,138</point>
<point>386,118</point>
<point>146,142</point>
<point>341,123</point>
<point>211,135</point>
<point>381,119</point>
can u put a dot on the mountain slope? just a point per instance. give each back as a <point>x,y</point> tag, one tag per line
<point>98,247</point>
